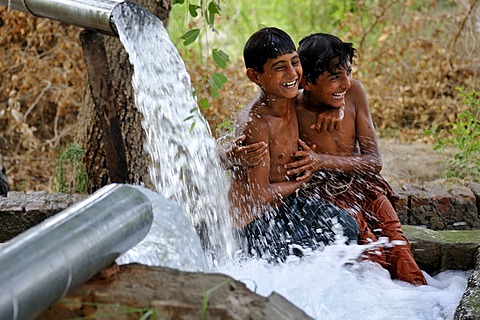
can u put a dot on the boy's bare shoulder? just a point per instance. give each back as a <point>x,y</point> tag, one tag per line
<point>357,86</point>
<point>357,96</point>
<point>252,118</point>
<point>247,114</point>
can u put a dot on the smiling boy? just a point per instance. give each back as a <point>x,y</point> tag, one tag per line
<point>273,64</point>
<point>348,160</point>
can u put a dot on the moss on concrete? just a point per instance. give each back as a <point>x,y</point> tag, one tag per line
<point>444,236</point>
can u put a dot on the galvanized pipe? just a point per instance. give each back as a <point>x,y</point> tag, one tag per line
<point>89,14</point>
<point>41,265</point>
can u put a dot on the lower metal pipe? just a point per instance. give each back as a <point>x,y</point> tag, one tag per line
<point>41,265</point>
<point>89,14</point>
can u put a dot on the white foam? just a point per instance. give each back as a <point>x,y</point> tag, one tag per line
<point>323,287</point>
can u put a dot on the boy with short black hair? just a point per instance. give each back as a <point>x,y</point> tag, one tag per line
<point>348,160</point>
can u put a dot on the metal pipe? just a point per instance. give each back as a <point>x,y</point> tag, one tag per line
<point>41,265</point>
<point>89,14</point>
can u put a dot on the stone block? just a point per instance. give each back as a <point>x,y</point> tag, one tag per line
<point>469,307</point>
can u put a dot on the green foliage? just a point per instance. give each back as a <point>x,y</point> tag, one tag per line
<point>409,54</point>
<point>190,36</point>
<point>68,173</point>
<point>208,10</point>
<point>464,136</point>
<point>225,127</point>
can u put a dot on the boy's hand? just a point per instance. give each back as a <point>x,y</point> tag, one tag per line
<point>329,120</point>
<point>249,155</point>
<point>303,168</point>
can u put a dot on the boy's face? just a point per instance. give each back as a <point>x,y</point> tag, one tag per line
<point>330,88</point>
<point>280,77</point>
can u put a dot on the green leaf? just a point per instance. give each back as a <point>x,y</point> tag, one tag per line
<point>178,2</point>
<point>213,8</point>
<point>192,9</point>
<point>204,103</point>
<point>219,79</point>
<point>213,89</point>
<point>190,36</point>
<point>220,58</point>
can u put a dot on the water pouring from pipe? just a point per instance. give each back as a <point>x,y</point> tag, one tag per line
<point>185,165</point>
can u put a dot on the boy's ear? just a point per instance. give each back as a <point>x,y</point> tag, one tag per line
<point>305,84</point>
<point>253,75</point>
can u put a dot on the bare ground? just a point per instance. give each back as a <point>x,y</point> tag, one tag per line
<point>410,162</point>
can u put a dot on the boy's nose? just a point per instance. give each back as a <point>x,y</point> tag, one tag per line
<point>346,82</point>
<point>291,69</point>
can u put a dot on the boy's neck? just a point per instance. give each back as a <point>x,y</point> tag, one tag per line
<point>311,105</point>
<point>277,106</point>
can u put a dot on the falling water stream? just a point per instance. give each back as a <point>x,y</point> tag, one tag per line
<point>185,165</point>
<point>185,168</point>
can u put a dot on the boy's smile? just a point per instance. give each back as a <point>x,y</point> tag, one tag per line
<point>290,84</point>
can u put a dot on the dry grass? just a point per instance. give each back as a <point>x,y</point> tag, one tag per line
<point>410,75</point>
<point>42,81</point>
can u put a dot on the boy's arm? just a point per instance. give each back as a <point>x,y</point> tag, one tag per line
<point>262,191</point>
<point>329,120</point>
<point>239,155</point>
<point>369,160</point>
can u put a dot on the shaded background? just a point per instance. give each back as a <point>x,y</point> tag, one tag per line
<point>412,56</point>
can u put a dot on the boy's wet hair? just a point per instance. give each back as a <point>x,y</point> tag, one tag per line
<point>318,50</point>
<point>266,43</point>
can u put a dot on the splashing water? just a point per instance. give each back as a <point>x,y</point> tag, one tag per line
<point>185,165</point>
<point>171,242</point>
<point>326,287</point>
<point>326,284</point>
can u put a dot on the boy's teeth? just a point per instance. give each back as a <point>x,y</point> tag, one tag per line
<point>290,84</point>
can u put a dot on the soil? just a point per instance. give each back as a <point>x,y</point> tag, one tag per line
<point>410,162</point>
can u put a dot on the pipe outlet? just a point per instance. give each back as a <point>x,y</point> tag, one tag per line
<point>89,14</point>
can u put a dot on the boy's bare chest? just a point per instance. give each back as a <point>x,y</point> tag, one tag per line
<point>337,142</point>
<point>283,142</point>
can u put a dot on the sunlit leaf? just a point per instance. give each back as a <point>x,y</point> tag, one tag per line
<point>192,9</point>
<point>219,79</point>
<point>213,89</point>
<point>220,58</point>
<point>213,8</point>
<point>190,36</point>
<point>204,103</point>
